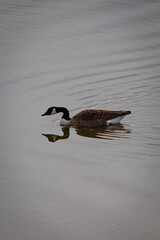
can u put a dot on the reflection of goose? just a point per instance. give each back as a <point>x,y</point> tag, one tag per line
<point>110,133</point>
<point>88,118</point>
<point>54,138</point>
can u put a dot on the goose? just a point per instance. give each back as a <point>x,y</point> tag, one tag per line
<point>88,118</point>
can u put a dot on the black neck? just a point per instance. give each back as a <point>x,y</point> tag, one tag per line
<point>64,111</point>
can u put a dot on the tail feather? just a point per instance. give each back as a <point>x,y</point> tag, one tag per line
<point>125,113</point>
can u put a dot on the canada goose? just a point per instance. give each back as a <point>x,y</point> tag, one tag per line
<point>88,118</point>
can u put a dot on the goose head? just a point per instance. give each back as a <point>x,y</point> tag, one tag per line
<point>50,111</point>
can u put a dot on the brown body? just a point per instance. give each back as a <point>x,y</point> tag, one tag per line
<point>95,118</point>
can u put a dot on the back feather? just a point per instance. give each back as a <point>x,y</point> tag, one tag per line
<point>94,117</point>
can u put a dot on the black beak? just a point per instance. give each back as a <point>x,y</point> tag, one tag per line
<point>44,114</point>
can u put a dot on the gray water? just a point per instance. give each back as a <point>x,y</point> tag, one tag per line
<point>76,184</point>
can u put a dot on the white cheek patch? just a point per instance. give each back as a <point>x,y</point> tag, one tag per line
<point>53,111</point>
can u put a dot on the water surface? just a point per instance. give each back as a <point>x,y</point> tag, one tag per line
<point>76,183</point>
